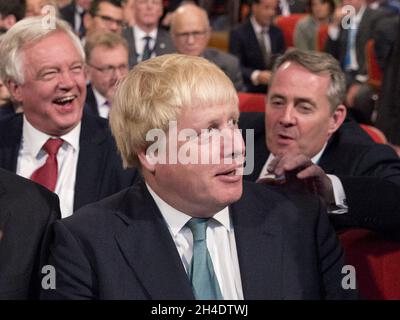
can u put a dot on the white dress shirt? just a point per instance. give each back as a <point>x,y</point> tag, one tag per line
<point>140,42</point>
<point>338,190</point>
<point>221,245</point>
<point>31,156</point>
<point>258,29</point>
<point>103,106</point>
<point>78,18</point>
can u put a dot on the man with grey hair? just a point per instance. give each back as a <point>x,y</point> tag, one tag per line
<point>191,31</point>
<point>51,143</point>
<point>309,141</point>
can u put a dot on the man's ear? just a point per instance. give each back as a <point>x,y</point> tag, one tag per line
<point>147,161</point>
<point>337,118</point>
<point>15,90</point>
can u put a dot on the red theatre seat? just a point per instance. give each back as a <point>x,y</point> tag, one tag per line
<point>376,134</point>
<point>375,73</point>
<point>322,36</point>
<point>251,102</point>
<point>376,262</point>
<point>288,25</point>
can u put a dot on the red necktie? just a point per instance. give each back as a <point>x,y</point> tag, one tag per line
<point>47,174</point>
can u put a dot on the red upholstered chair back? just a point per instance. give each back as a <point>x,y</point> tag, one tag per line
<point>322,36</point>
<point>288,25</point>
<point>251,102</point>
<point>376,262</point>
<point>375,73</point>
<point>376,134</point>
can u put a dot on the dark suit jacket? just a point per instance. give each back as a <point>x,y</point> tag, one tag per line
<point>163,44</point>
<point>243,43</point>
<point>99,171</point>
<point>295,6</point>
<point>227,63</point>
<point>91,102</point>
<point>120,248</point>
<point>67,13</point>
<point>365,32</point>
<point>27,211</point>
<point>369,172</point>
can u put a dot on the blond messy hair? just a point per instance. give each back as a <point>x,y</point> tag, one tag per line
<point>155,92</point>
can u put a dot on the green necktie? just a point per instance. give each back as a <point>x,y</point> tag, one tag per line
<point>201,273</point>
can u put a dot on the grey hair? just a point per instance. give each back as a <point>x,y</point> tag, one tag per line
<point>322,64</point>
<point>27,32</point>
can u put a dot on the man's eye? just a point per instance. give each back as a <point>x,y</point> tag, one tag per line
<point>277,103</point>
<point>77,69</point>
<point>304,108</point>
<point>48,75</point>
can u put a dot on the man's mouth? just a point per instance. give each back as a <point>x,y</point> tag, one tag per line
<point>230,171</point>
<point>64,100</point>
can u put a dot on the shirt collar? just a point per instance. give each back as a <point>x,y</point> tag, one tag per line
<point>176,219</point>
<point>79,9</point>
<point>140,34</point>
<point>100,99</point>
<point>35,139</point>
<point>359,15</point>
<point>256,26</point>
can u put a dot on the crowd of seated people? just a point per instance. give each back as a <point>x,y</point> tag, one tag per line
<point>82,83</point>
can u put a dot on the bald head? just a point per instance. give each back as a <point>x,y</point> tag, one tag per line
<point>190,29</point>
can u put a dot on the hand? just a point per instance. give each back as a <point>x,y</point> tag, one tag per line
<point>264,77</point>
<point>302,173</point>
<point>337,16</point>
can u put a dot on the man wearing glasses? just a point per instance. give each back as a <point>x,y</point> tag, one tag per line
<point>104,15</point>
<point>191,31</point>
<point>145,39</point>
<point>107,63</point>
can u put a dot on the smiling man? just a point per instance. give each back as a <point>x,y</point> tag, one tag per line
<point>192,230</point>
<point>52,143</point>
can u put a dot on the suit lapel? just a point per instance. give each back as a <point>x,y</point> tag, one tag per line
<point>91,102</point>
<point>150,250</point>
<point>130,38</point>
<point>4,217</point>
<point>255,44</point>
<point>91,162</point>
<point>259,245</point>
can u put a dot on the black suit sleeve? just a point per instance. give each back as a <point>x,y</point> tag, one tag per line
<point>331,260</point>
<point>74,275</point>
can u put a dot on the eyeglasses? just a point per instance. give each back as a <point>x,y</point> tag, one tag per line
<point>108,20</point>
<point>194,34</point>
<point>109,70</point>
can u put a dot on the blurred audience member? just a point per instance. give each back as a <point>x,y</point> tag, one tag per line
<point>190,31</point>
<point>37,7</point>
<point>145,38</point>
<point>107,63</point>
<point>128,12</point>
<point>306,32</point>
<point>10,13</point>
<point>256,42</point>
<point>74,13</point>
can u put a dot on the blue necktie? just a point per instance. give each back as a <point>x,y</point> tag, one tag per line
<point>201,273</point>
<point>351,38</point>
<point>147,51</point>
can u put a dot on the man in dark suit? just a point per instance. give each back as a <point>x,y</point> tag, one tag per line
<point>51,142</point>
<point>191,229</point>
<point>347,38</point>
<point>287,7</point>
<point>256,42</point>
<point>145,38</point>
<point>107,63</point>
<point>308,140</point>
<point>191,31</point>
<point>74,13</point>
<point>27,211</point>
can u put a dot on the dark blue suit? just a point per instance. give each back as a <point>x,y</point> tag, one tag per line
<point>369,172</point>
<point>121,248</point>
<point>99,171</point>
<point>243,43</point>
<point>27,211</point>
